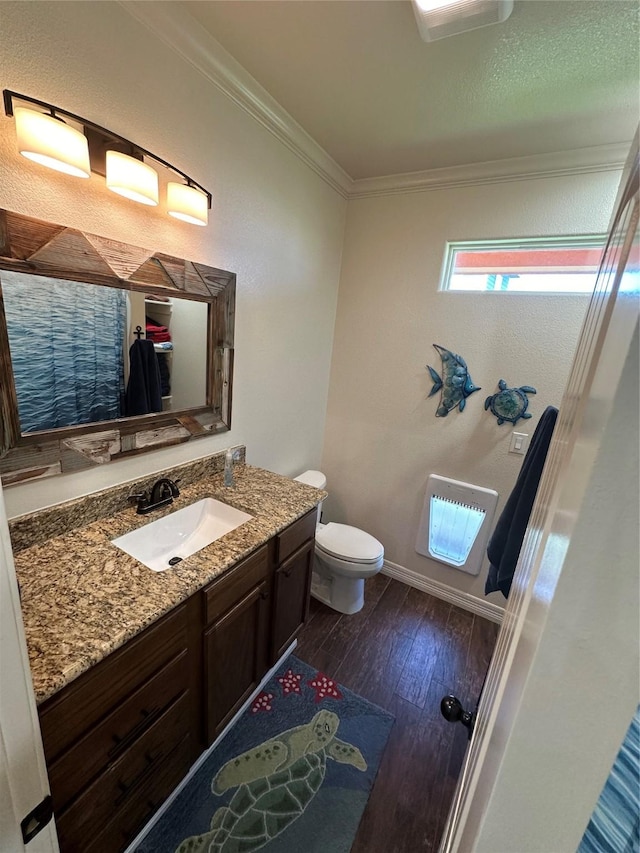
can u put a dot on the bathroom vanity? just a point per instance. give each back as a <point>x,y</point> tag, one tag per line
<point>136,673</point>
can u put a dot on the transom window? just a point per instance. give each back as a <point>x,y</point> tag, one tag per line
<point>529,265</point>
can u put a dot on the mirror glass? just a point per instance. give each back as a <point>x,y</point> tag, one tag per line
<point>76,358</point>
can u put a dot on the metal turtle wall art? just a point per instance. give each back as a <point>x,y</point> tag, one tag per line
<point>509,404</point>
<point>456,382</point>
<point>276,781</point>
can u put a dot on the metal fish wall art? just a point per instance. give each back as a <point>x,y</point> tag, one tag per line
<point>456,383</point>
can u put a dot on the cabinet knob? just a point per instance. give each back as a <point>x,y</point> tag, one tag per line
<point>264,595</point>
<point>287,574</point>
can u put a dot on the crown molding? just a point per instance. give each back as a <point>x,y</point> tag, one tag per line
<point>171,23</point>
<point>580,161</point>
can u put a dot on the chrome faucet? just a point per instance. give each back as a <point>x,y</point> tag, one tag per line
<point>161,493</point>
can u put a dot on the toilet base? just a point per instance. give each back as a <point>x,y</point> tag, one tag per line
<point>346,595</point>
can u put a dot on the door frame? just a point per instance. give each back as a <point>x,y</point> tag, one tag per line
<point>23,774</point>
<point>586,413</point>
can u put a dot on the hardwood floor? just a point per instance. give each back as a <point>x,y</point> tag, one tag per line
<point>404,651</point>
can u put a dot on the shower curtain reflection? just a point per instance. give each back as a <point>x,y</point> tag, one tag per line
<point>66,340</point>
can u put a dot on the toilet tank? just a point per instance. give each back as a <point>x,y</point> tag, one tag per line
<point>312,478</point>
<point>316,479</point>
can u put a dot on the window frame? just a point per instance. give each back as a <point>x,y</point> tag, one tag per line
<point>569,241</point>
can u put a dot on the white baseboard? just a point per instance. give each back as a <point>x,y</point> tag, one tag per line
<point>194,769</point>
<point>447,593</point>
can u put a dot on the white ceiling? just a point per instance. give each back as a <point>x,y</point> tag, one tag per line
<point>558,75</point>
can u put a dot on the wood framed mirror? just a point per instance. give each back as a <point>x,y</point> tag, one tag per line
<point>77,389</point>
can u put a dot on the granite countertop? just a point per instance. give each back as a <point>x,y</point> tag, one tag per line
<point>82,597</point>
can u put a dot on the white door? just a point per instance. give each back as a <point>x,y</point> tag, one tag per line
<point>23,775</point>
<point>562,686</point>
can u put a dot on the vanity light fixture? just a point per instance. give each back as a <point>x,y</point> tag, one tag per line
<point>71,144</point>
<point>437,19</point>
<point>131,178</point>
<point>186,202</point>
<point>47,140</point>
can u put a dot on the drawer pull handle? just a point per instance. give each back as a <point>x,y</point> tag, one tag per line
<point>125,831</point>
<point>123,743</point>
<point>125,788</point>
<point>153,808</point>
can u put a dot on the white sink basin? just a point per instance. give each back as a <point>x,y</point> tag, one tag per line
<point>163,543</point>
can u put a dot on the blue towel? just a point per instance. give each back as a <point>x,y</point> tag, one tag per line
<point>143,394</point>
<point>505,543</point>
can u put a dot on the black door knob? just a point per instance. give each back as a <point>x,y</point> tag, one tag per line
<point>453,712</point>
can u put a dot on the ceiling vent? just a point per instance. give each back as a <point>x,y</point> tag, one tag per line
<point>438,19</point>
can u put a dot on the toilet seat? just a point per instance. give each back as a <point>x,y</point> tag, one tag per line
<point>343,542</point>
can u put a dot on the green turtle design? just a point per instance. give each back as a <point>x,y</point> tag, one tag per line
<point>509,404</point>
<point>276,782</point>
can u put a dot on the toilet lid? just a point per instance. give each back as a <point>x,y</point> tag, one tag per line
<point>349,543</point>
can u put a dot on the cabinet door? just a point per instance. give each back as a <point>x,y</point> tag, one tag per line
<point>292,590</point>
<point>236,657</point>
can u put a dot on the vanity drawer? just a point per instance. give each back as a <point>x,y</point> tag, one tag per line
<point>223,593</point>
<point>296,535</point>
<point>136,813</point>
<point>117,732</point>
<point>123,780</point>
<point>70,713</point>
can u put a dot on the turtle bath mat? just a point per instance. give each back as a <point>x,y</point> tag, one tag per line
<point>293,775</point>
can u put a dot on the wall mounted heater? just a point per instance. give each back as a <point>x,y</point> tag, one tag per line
<point>456,522</point>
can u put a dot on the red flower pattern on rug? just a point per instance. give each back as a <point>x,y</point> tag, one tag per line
<point>262,702</point>
<point>324,687</point>
<point>290,682</point>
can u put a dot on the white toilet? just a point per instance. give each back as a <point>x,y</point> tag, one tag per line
<point>344,557</point>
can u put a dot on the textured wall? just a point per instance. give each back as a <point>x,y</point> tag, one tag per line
<point>382,438</point>
<point>274,222</point>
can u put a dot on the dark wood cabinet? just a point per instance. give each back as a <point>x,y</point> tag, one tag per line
<point>236,639</point>
<point>122,780</point>
<point>123,732</point>
<point>292,587</point>
<point>118,833</point>
<point>294,548</point>
<point>73,711</point>
<point>120,737</point>
<point>236,657</point>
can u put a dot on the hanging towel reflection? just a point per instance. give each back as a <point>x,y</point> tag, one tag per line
<point>143,394</point>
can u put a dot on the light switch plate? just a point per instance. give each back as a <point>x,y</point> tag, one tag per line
<point>519,442</point>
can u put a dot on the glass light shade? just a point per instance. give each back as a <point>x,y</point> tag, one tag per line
<point>441,18</point>
<point>52,143</point>
<point>132,178</point>
<point>430,5</point>
<point>187,203</point>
